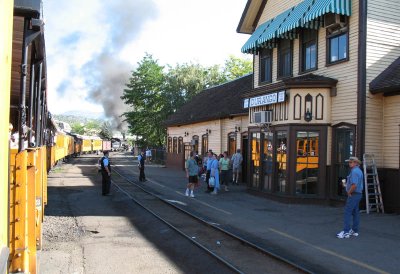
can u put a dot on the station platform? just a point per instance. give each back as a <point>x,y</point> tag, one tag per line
<point>304,234</point>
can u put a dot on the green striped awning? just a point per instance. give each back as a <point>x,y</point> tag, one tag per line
<point>276,23</point>
<point>295,19</point>
<point>321,7</point>
<point>251,44</point>
<point>305,14</point>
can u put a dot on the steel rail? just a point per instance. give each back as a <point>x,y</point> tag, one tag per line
<point>241,239</point>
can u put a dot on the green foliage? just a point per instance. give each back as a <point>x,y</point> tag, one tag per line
<point>78,128</point>
<point>236,67</point>
<point>106,131</point>
<point>153,93</point>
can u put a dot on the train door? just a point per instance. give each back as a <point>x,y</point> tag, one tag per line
<point>267,159</point>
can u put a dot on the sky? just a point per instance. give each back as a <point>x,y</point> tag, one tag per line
<point>93,46</point>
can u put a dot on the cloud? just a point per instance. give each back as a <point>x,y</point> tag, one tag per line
<point>84,58</point>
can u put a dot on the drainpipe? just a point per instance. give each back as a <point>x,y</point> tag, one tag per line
<point>362,78</point>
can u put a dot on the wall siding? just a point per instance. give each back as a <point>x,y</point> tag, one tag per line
<point>217,139</point>
<point>391,132</point>
<point>383,47</point>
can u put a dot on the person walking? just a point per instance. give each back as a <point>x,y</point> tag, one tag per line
<point>224,163</point>
<point>354,188</point>
<point>141,158</point>
<point>192,169</point>
<point>214,172</point>
<point>105,174</point>
<point>237,160</point>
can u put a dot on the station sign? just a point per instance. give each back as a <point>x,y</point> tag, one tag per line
<point>267,99</point>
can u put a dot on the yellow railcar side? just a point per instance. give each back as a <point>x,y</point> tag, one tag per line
<point>6,30</point>
<point>97,145</point>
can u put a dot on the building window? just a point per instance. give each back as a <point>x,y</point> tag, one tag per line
<point>231,143</point>
<point>308,50</point>
<point>285,58</point>
<point>337,43</point>
<point>180,144</point>
<point>266,66</point>
<point>281,160</point>
<point>195,143</point>
<point>175,145</point>
<point>169,145</point>
<point>307,162</point>
<point>204,144</point>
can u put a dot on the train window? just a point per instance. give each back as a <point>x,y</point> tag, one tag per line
<point>307,162</point>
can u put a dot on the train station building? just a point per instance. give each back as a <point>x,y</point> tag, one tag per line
<point>325,87</point>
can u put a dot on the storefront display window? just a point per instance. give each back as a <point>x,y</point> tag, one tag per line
<point>281,160</point>
<point>307,158</point>
<point>255,159</point>
<point>267,160</point>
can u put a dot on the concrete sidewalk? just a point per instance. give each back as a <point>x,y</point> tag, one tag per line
<point>305,234</point>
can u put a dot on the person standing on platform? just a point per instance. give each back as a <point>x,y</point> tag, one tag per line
<point>214,172</point>
<point>192,169</point>
<point>105,174</point>
<point>148,155</point>
<point>208,162</point>
<point>224,163</point>
<point>354,189</point>
<point>141,159</point>
<point>237,160</point>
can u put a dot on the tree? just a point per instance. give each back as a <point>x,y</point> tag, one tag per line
<point>236,67</point>
<point>154,94</point>
<point>78,128</point>
<point>106,131</point>
<point>144,93</point>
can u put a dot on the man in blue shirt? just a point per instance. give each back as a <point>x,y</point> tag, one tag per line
<point>354,189</point>
<point>141,159</point>
<point>105,174</point>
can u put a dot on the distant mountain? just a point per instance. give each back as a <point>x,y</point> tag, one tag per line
<point>76,118</point>
<point>85,114</point>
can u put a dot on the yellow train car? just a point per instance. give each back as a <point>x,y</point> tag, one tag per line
<point>24,106</point>
<point>6,32</point>
<point>86,145</point>
<point>97,144</point>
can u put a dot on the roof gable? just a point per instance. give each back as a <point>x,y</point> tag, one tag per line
<point>388,81</point>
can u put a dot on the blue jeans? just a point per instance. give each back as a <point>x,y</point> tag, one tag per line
<point>351,211</point>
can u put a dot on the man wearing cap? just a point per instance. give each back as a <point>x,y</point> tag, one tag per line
<point>354,189</point>
<point>105,174</point>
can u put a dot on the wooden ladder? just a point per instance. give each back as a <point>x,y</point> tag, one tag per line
<point>373,194</point>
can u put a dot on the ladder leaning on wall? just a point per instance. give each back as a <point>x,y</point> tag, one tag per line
<point>373,194</point>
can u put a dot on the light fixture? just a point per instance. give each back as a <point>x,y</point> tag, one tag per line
<point>186,133</point>
<point>237,129</point>
<point>208,131</point>
<point>308,108</point>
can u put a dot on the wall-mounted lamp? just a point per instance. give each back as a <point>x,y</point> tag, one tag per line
<point>237,129</point>
<point>308,108</point>
<point>186,133</point>
<point>208,131</point>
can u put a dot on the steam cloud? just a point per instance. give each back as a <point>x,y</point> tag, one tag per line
<point>106,74</point>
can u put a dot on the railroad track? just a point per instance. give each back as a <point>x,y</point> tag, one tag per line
<point>238,254</point>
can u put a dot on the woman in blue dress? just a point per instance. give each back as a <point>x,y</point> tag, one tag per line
<point>215,173</point>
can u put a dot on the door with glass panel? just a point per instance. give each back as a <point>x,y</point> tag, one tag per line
<point>255,168</point>
<point>343,150</point>
<point>307,162</point>
<point>281,160</point>
<point>268,160</point>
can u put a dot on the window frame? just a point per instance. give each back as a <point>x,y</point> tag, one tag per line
<point>302,48</point>
<point>332,34</point>
<point>290,49</point>
<point>265,53</point>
